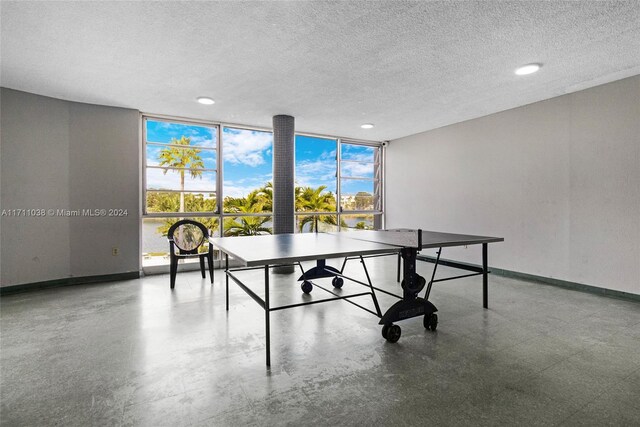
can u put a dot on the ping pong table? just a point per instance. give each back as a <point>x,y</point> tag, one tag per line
<point>269,251</point>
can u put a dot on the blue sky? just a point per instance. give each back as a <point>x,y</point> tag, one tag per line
<point>248,160</point>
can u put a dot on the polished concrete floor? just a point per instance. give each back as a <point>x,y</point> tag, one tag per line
<point>135,353</point>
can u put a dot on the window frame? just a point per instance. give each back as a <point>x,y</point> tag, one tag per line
<point>337,142</point>
<point>145,167</point>
<point>377,180</point>
<point>377,212</point>
<point>221,167</point>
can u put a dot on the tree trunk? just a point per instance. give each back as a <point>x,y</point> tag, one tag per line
<point>181,191</point>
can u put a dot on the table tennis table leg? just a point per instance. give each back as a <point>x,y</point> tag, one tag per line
<point>373,292</point>
<point>226,275</point>
<point>267,312</point>
<point>344,263</point>
<point>485,277</point>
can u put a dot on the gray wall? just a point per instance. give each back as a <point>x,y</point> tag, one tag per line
<point>558,179</point>
<point>64,155</point>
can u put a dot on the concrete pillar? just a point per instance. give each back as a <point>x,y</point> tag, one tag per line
<point>283,179</point>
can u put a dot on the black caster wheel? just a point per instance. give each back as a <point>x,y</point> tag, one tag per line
<point>306,287</point>
<point>430,321</point>
<point>391,333</point>
<point>385,331</point>
<point>337,282</point>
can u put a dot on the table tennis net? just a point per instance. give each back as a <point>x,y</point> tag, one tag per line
<point>400,237</point>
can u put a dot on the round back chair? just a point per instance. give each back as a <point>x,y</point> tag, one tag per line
<point>186,237</point>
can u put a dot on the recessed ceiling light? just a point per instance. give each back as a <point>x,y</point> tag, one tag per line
<point>366,126</point>
<point>528,69</point>
<point>205,100</point>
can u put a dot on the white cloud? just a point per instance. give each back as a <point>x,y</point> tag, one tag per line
<point>202,141</point>
<point>171,181</point>
<point>359,157</point>
<point>243,186</point>
<point>313,173</point>
<point>200,135</point>
<point>152,155</point>
<point>360,170</point>
<point>355,150</point>
<point>209,160</point>
<point>328,155</point>
<point>238,190</point>
<point>246,147</point>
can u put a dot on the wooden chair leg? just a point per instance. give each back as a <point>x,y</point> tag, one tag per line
<point>202,266</point>
<point>173,269</point>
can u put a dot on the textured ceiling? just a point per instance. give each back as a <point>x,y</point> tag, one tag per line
<point>406,66</point>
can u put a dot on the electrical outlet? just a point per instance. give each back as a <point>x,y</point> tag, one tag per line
<point>115,251</point>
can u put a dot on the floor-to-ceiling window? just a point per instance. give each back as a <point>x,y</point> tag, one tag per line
<point>316,184</point>
<point>180,181</point>
<point>221,175</point>
<point>338,184</point>
<point>247,174</point>
<point>360,185</point>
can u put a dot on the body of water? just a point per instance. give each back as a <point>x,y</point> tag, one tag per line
<point>153,241</point>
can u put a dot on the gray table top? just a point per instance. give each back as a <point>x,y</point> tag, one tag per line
<point>430,239</point>
<point>289,248</point>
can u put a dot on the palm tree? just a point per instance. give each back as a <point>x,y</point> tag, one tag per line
<point>298,198</point>
<point>246,225</point>
<point>181,159</point>
<point>253,203</point>
<point>314,200</point>
<point>266,196</point>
